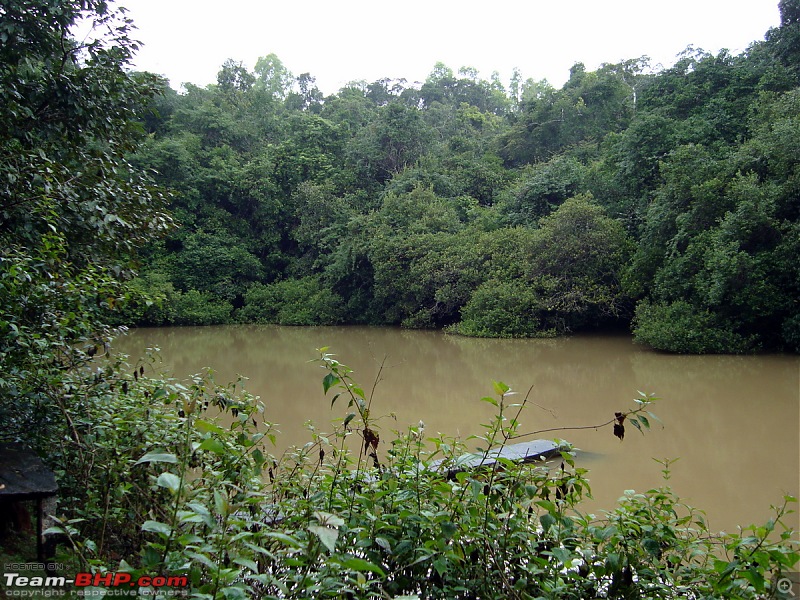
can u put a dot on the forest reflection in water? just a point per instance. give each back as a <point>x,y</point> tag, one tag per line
<point>733,421</point>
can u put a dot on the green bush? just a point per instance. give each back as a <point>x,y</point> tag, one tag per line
<point>502,309</point>
<point>679,327</point>
<point>149,300</point>
<point>292,302</point>
<point>200,308</point>
<point>791,333</point>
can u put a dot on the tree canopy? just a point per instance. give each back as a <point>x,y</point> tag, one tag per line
<point>397,200</point>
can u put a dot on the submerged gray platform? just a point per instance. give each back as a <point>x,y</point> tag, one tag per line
<point>523,452</point>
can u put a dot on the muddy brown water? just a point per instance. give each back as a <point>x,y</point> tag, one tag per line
<point>732,421</point>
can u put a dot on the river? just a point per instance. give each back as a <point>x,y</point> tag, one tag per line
<point>732,421</point>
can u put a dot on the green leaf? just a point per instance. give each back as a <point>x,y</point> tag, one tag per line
<point>636,424</point>
<point>655,418</point>
<point>221,503</point>
<point>189,539</point>
<point>207,426</point>
<point>152,457</point>
<point>547,521</point>
<point>359,564</point>
<point>500,388</point>
<point>449,530</point>
<point>326,518</point>
<point>157,527</point>
<point>547,505</point>
<point>490,400</point>
<point>326,535</point>
<point>652,546</point>
<point>286,539</point>
<point>246,562</point>
<point>348,418</point>
<point>170,481</point>
<point>213,445</point>
<point>203,559</point>
<point>329,381</point>
<point>563,555</point>
<point>440,564</point>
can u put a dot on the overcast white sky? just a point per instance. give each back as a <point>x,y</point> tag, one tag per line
<point>343,40</point>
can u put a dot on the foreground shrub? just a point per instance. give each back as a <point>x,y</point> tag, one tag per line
<point>152,477</point>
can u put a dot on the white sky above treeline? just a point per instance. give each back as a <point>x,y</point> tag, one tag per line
<point>346,40</point>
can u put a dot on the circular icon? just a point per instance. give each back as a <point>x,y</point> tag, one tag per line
<point>784,586</point>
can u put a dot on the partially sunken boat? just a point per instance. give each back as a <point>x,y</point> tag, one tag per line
<point>523,452</point>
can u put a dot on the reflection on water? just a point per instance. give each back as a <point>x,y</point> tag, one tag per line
<point>733,421</point>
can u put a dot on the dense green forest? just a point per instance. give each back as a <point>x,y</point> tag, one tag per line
<point>665,200</point>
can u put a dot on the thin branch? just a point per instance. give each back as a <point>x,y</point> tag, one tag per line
<point>606,424</point>
<point>538,431</point>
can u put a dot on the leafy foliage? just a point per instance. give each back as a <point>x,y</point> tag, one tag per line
<point>73,209</point>
<point>395,199</point>
<point>351,512</point>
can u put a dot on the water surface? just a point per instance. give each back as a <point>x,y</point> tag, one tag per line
<point>732,421</point>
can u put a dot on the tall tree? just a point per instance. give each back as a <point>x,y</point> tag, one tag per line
<point>73,210</point>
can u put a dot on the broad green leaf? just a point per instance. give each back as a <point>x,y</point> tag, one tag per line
<point>221,503</point>
<point>157,527</point>
<point>563,555</point>
<point>203,559</point>
<point>359,564</point>
<point>329,381</point>
<point>490,400</point>
<point>286,539</point>
<point>189,539</point>
<point>170,481</point>
<point>213,445</point>
<point>652,546</point>
<point>326,518</point>
<point>326,535</point>
<point>246,562</point>
<point>440,564</point>
<point>152,457</point>
<point>207,426</point>
<point>500,388</point>
<point>449,529</point>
